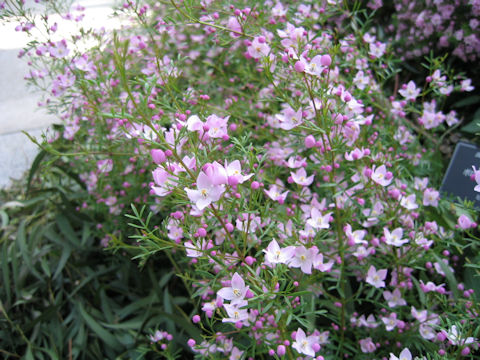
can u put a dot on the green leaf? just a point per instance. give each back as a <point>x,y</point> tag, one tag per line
<point>102,333</point>
<point>67,250</point>
<point>6,273</point>
<point>33,169</point>
<point>467,101</point>
<point>472,127</point>
<point>452,282</point>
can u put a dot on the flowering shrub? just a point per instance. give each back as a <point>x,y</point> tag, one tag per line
<point>418,27</point>
<point>294,193</point>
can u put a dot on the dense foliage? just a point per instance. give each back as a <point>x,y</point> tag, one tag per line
<point>270,168</point>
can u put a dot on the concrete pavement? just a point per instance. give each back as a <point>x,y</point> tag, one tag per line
<point>18,104</point>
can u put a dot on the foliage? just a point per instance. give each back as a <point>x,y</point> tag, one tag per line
<point>273,157</point>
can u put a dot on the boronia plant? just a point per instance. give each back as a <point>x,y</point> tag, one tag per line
<point>286,168</point>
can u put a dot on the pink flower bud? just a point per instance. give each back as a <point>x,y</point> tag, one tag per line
<point>299,66</point>
<point>191,343</point>
<point>249,260</point>
<point>229,227</point>
<point>255,185</point>
<point>325,60</point>
<point>310,141</point>
<point>158,156</point>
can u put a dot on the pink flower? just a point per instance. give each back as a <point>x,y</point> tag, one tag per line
<point>197,249</point>
<point>206,193</point>
<point>394,299</point>
<point>258,48</point>
<point>409,91</point>
<point>276,255</point>
<point>236,354</point>
<point>319,221</point>
<point>304,258</point>
<point>300,177</point>
<point>235,26</point>
<point>274,193</point>
<point>304,344</point>
<point>394,238</point>
<point>289,118</point>
<point>381,176</point>
<point>216,173</point>
<point>409,202</point>
<point>367,345</point>
<point>476,174</point>
<point>235,314</point>
<point>320,265</point>
<point>234,173</point>
<point>236,292</point>
<point>457,338</point>
<point>466,85</point>
<point>376,278</point>
<point>390,321</point>
<point>195,124</point>
<point>430,197</point>
<point>377,49</point>
<point>404,355</point>
<point>355,154</point>
<point>355,237</point>
<point>464,222</point>
<point>315,66</point>
<point>164,181</point>
<point>217,126</point>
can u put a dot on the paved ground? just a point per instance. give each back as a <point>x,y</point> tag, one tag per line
<point>18,105</point>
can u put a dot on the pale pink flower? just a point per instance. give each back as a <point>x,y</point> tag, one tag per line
<point>404,355</point>
<point>300,177</point>
<point>377,49</point>
<point>275,193</point>
<point>165,182</point>
<point>369,322</point>
<point>276,255</point>
<point>197,249</point>
<point>476,174</point>
<point>236,354</point>
<point>409,202</point>
<point>381,176</point>
<point>457,338</point>
<point>376,278</point>
<point>236,291</point>
<point>315,66</point>
<point>394,238</point>
<point>466,85</point>
<point>235,313</point>
<point>390,321</point>
<point>367,345</point>
<point>320,265</point>
<point>464,222</point>
<point>355,154</point>
<point>394,299</point>
<point>258,48</point>
<point>206,193</point>
<point>430,197</point>
<point>355,237</point>
<point>289,118</point>
<point>303,258</point>
<point>217,126</point>
<point>234,173</point>
<point>319,221</point>
<point>216,173</point>
<point>410,92</point>
<point>304,344</point>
